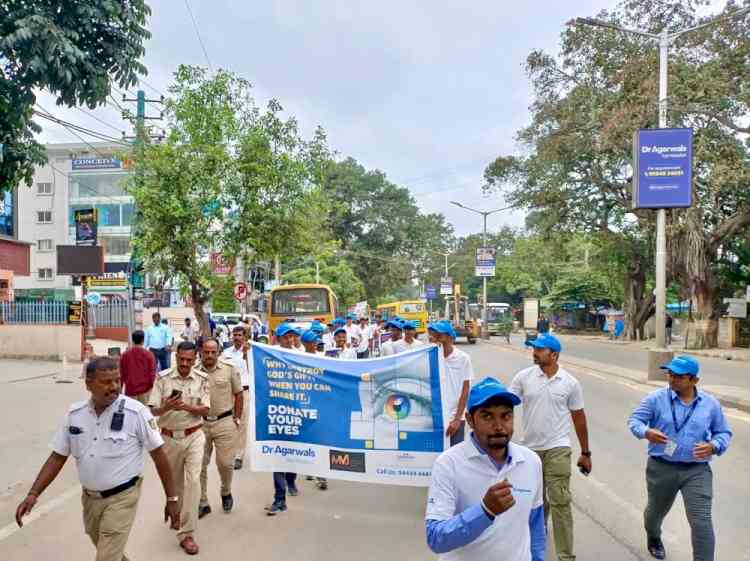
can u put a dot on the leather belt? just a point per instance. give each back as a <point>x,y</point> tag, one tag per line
<point>218,417</point>
<point>675,464</point>
<point>245,388</point>
<point>114,490</point>
<point>179,434</point>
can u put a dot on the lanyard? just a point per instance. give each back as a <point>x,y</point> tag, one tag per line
<point>677,427</point>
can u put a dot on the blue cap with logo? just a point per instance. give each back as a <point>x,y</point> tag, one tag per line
<point>317,327</point>
<point>339,330</point>
<point>339,321</point>
<point>395,324</point>
<point>443,326</point>
<point>351,316</point>
<point>409,324</point>
<point>545,341</point>
<point>310,336</point>
<point>487,389</point>
<point>682,365</point>
<point>285,328</point>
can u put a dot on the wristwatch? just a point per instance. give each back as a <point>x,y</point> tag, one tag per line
<point>587,453</point>
<point>173,499</point>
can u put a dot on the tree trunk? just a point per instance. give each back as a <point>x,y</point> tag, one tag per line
<point>638,303</point>
<point>703,329</point>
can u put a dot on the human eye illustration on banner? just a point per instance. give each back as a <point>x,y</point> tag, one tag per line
<point>378,420</point>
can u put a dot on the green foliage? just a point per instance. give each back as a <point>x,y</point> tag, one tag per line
<point>336,273</point>
<point>75,50</point>
<point>579,286</point>
<point>222,294</point>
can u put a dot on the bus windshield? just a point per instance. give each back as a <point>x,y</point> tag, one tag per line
<point>412,308</point>
<point>300,301</point>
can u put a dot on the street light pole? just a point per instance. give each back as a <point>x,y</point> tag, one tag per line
<point>485,213</point>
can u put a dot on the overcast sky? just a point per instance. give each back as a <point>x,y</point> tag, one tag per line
<point>428,92</point>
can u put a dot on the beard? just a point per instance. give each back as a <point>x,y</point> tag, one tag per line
<point>498,441</point>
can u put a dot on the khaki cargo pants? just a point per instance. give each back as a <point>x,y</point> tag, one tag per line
<point>108,521</point>
<point>556,475</point>
<point>185,456</point>
<point>241,444</point>
<point>223,435</point>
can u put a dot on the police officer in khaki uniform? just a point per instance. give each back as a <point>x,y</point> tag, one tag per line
<point>180,397</point>
<point>107,435</point>
<point>221,425</point>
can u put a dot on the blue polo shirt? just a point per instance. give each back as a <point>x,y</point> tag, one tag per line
<point>158,337</point>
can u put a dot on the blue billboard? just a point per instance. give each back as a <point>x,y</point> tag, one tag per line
<point>663,168</point>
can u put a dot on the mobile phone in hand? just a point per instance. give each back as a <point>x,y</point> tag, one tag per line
<point>584,471</point>
<point>175,393</point>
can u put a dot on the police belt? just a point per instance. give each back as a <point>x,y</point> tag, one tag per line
<point>218,417</point>
<point>178,434</point>
<point>114,490</point>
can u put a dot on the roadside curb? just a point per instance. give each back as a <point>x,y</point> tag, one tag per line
<point>632,375</point>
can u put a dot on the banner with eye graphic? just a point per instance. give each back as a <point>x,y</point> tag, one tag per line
<point>377,420</point>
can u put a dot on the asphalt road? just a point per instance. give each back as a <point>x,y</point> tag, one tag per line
<point>367,521</point>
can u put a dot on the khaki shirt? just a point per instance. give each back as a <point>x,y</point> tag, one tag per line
<point>224,382</point>
<point>195,391</point>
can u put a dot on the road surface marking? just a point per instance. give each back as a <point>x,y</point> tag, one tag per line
<point>588,372</point>
<point>739,417</point>
<point>39,511</point>
<point>630,385</point>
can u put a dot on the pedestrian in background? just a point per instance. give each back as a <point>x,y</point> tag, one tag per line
<point>180,399</point>
<point>159,341</point>
<point>363,347</point>
<point>542,325</point>
<point>474,512</point>
<point>239,355</point>
<point>551,397</point>
<point>165,322</point>
<point>395,330</point>
<point>190,331</point>
<point>668,325</point>
<point>138,369</point>
<point>459,372</point>
<point>91,430</point>
<point>685,428</point>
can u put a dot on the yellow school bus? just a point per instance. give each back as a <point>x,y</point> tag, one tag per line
<point>413,310</point>
<point>300,304</point>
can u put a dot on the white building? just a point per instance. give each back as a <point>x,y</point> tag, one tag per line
<point>75,177</point>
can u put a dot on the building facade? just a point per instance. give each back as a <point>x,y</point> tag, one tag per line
<point>76,177</point>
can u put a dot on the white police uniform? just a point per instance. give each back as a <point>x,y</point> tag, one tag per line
<point>110,462</point>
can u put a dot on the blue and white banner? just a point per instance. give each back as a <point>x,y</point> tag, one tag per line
<point>376,420</point>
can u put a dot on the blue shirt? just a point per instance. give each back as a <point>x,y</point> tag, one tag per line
<point>466,526</point>
<point>706,423</point>
<point>158,337</point>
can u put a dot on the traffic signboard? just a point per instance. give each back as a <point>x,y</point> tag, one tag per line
<point>485,263</point>
<point>240,291</point>
<point>446,286</point>
<point>430,292</point>
<point>663,168</point>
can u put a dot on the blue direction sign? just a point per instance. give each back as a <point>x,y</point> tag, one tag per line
<point>430,292</point>
<point>662,168</point>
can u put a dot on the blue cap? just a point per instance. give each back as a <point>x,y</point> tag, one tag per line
<point>681,365</point>
<point>351,316</point>
<point>285,328</point>
<point>409,324</point>
<point>310,336</point>
<point>317,327</point>
<point>339,321</point>
<point>545,341</point>
<point>486,389</point>
<point>443,326</point>
<point>339,330</point>
<point>395,323</point>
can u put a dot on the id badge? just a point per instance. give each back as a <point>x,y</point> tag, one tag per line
<point>670,447</point>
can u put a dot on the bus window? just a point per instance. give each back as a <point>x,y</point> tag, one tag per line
<point>300,301</point>
<point>412,308</point>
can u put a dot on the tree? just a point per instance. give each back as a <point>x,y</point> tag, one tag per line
<point>75,50</point>
<point>589,100</point>
<point>229,178</point>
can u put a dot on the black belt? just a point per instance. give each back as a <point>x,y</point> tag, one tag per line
<point>218,417</point>
<point>245,388</point>
<point>115,490</point>
<point>661,460</point>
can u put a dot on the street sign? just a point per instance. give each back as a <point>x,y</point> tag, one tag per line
<point>240,291</point>
<point>446,286</point>
<point>430,292</point>
<point>220,265</point>
<point>662,168</point>
<point>485,262</point>
<point>108,283</point>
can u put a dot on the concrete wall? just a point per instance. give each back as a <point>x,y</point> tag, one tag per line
<point>47,342</point>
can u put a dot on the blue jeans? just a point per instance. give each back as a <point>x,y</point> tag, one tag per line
<point>282,480</point>
<point>163,358</point>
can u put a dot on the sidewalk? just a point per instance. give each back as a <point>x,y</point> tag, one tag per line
<point>735,396</point>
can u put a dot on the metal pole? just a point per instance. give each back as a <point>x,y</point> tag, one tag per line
<point>661,216</point>
<point>485,332</point>
<point>277,268</point>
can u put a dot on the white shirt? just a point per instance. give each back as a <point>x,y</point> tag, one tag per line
<point>235,355</point>
<point>328,343</point>
<point>364,339</point>
<point>547,403</point>
<point>458,369</point>
<point>107,458</point>
<point>353,331</point>
<point>401,346</point>
<point>387,348</point>
<point>348,353</point>
<point>461,476</point>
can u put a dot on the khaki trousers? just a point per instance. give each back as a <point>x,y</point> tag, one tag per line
<point>185,456</point>
<point>108,521</point>
<point>556,476</point>
<point>223,435</point>
<point>241,444</point>
<point>143,397</point>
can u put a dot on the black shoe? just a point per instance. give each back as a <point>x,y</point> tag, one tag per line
<point>293,491</point>
<point>274,508</point>
<point>310,478</point>
<point>238,464</point>
<point>656,548</point>
<point>203,511</point>
<point>227,502</point>
<point>322,485</point>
